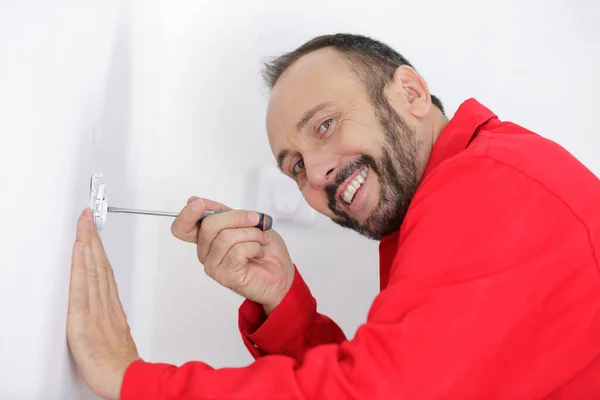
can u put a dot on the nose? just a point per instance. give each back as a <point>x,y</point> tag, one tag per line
<point>321,171</point>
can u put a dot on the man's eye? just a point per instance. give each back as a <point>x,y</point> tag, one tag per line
<point>298,167</point>
<point>324,126</point>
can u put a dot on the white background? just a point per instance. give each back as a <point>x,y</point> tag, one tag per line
<point>165,99</point>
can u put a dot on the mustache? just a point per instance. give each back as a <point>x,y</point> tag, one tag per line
<point>343,174</point>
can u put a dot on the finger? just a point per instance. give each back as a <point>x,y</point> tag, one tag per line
<point>235,262</point>
<point>193,198</point>
<point>83,233</point>
<point>102,265</point>
<point>113,293</point>
<point>184,226</point>
<point>214,224</point>
<point>78,290</point>
<point>228,238</point>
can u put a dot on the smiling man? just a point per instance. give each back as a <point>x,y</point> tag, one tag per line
<point>489,244</point>
<point>352,130</point>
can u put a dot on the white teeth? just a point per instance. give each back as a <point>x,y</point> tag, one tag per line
<point>347,197</point>
<point>354,185</point>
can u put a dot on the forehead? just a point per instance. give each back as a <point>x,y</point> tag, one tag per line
<point>322,76</point>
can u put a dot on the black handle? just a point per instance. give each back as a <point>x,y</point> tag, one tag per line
<point>265,221</point>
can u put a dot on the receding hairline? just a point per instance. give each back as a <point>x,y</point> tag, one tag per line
<point>345,60</point>
<point>357,64</point>
<point>372,61</point>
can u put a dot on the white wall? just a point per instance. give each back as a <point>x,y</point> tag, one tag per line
<point>69,101</point>
<point>165,98</point>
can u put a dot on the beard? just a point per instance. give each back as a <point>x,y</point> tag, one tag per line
<point>396,168</point>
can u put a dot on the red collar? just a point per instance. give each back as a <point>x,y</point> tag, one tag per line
<point>458,133</point>
<point>454,138</point>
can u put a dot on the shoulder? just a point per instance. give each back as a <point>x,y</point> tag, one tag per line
<point>507,185</point>
<point>511,196</point>
<point>479,213</point>
<point>504,153</point>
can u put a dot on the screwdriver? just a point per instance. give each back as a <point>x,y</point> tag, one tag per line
<point>265,222</point>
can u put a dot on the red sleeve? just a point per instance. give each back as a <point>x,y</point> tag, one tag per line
<point>492,295</point>
<point>292,328</point>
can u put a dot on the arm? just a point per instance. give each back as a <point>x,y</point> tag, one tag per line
<point>491,296</point>
<point>291,329</point>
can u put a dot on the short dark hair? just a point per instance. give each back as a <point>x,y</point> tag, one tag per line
<point>373,61</point>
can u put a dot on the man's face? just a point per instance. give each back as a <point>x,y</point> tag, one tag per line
<point>353,161</point>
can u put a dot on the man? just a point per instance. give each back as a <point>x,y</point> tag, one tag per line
<point>489,246</point>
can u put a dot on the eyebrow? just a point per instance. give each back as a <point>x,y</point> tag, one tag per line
<point>309,114</point>
<point>280,157</point>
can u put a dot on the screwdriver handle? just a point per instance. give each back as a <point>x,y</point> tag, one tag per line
<point>265,221</point>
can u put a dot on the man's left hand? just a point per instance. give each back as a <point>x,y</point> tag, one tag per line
<point>97,330</point>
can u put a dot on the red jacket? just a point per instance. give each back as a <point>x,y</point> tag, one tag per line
<point>489,290</point>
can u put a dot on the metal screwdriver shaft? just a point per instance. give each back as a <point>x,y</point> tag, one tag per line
<point>142,212</point>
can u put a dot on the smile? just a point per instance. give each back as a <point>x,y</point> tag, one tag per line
<point>354,185</point>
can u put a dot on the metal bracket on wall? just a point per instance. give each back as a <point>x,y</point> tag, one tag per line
<point>98,200</point>
<point>100,207</point>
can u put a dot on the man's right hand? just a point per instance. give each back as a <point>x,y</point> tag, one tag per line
<point>236,254</point>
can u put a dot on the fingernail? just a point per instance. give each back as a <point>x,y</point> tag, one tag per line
<point>253,217</point>
<point>198,205</point>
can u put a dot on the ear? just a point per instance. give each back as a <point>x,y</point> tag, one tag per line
<point>411,90</point>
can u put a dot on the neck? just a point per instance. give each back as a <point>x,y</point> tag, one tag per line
<point>437,123</point>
